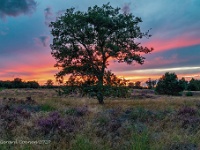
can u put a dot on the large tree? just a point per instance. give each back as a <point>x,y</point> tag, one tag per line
<point>84,41</point>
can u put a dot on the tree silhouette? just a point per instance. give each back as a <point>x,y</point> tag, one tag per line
<point>49,83</point>
<point>194,85</point>
<point>18,83</point>
<point>83,42</point>
<point>169,84</point>
<point>150,83</point>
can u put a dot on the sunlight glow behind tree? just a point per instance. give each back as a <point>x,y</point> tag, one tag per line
<point>84,41</point>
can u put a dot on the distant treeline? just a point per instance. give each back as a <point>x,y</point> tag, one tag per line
<point>109,80</point>
<point>18,83</point>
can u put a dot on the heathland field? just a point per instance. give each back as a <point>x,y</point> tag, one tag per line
<point>40,119</point>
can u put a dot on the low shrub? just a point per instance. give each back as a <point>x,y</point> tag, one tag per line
<point>77,111</point>
<point>189,94</point>
<point>143,115</point>
<point>57,127</point>
<point>12,117</point>
<point>188,118</point>
<point>187,111</point>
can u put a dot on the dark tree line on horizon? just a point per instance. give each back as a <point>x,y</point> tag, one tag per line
<point>169,84</point>
<point>19,83</point>
<point>167,81</point>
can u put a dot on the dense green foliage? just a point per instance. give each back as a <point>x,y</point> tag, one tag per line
<point>194,85</point>
<point>183,84</point>
<point>189,93</point>
<point>83,42</point>
<point>18,83</point>
<point>88,85</point>
<point>169,84</point>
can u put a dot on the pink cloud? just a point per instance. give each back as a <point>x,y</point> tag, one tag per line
<point>167,44</point>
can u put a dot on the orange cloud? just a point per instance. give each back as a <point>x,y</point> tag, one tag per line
<point>34,66</point>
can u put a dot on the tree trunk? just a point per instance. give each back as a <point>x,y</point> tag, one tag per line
<point>100,90</point>
<point>100,97</point>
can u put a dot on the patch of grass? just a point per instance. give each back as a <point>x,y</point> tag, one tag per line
<point>47,107</point>
<point>82,143</point>
<point>140,141</point>
<point>5,146</point>
<point>70,111</point>
<point>1,89</point>
<point>26,147</point>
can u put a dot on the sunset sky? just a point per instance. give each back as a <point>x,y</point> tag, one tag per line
<point>25,37</point>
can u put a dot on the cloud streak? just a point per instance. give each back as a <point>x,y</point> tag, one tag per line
<point>174,25</point>
<point>173,43</point>
<point>42,40</point>
<point>16,7</point>
<point>49,15</point>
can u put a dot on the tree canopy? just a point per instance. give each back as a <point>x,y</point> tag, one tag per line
<point>169,84</point>
<point>83,42</point>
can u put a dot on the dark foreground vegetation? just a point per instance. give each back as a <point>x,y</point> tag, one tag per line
<point>141,121</point>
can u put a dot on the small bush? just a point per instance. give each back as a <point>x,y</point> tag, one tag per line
<point>143,115</point>
<point>102,120</point>
<point>169,84</point>
<point>77,111</point>
<point>187,111</point>
<point>189,94</point>
<point>57,127</point>
<point>189,119</point>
